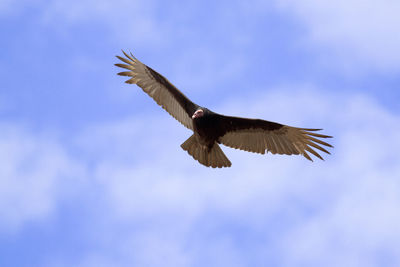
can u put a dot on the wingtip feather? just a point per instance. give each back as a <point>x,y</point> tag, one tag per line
<point>124,66</point>
<point>130,81</point>
<point>131,57</point>
<point>125,73</point>
<point>312,151</point>
<point>307,156</point>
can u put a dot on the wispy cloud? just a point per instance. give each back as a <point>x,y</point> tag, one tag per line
<point>34,171</point>
<point>132,21</point>
<point>361,35</point>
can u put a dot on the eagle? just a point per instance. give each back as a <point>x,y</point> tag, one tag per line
<point>211,129</point>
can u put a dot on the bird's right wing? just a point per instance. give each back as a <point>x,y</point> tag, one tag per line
<point>258,136</point>
<point>158,88</point>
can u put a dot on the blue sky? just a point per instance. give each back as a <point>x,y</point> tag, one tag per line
<point>92,170</point>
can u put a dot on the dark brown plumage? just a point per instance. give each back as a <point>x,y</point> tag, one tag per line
<point>211,129</point>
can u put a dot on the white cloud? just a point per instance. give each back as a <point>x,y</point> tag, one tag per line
<point>162,206</point>
<point>33,171</point>
<point>131,21</point>
<point>360,34</point>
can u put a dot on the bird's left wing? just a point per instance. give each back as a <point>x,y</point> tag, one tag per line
<point>258,136</point>
<point>158,88</point>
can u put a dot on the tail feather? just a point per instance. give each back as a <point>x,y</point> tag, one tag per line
<point>213,157</point>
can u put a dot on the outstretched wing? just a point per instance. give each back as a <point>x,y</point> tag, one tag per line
<point>159,88</point>
<point>258,136</point>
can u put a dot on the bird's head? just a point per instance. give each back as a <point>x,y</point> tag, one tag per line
<point>199,113</point>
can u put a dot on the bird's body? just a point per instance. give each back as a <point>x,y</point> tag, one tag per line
<point>205,127</point>
<point>211,129</point>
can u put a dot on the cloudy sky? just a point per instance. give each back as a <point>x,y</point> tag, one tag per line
<point>92,173</point>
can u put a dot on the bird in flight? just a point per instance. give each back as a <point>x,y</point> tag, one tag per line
<point>211,129</point>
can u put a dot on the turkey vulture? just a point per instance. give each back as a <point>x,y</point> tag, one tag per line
<point>211,129</point>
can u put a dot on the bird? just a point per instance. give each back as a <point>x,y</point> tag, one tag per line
<point>211,129</point>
